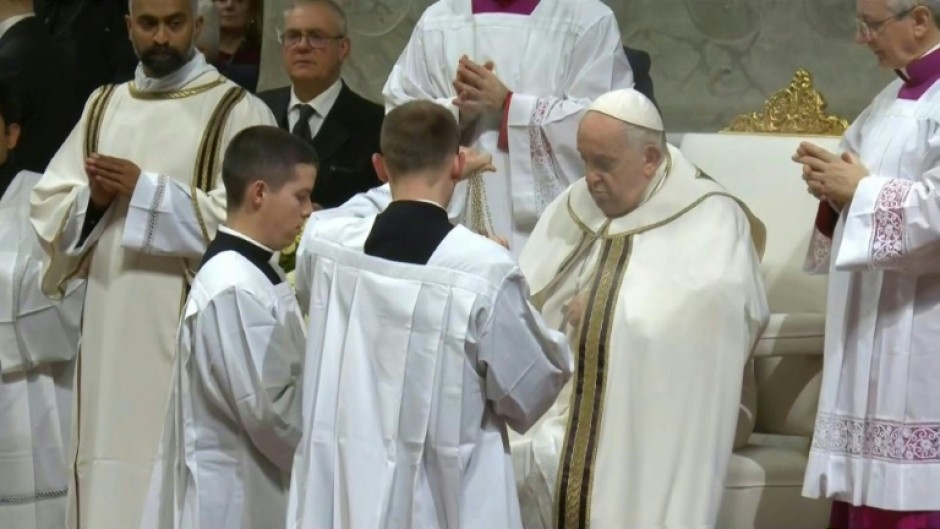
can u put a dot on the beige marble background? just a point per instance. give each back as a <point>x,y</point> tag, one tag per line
<point>712,59</point>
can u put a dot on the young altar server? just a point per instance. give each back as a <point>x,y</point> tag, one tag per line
<point>423,349</point>
<point>233,419</point>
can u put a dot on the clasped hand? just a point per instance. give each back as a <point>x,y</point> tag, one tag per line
<point>828,176</point>
<point>479,90</point>
<point>110,177</point>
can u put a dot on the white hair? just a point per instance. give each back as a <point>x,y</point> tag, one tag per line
<point>901,6</point>
<point>330,4</point>
<point>208,40</point>
<point>193,6</point>
<point>640,138</point>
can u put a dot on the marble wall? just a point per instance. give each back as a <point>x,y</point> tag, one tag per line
<point>712,59</point>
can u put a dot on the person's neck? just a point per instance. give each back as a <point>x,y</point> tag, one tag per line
<point>415,188</point>
<point>230,41</point>
<point>247,227</point>
<point>308,90</point>
<point>928,45</point>
<point>9,10</point>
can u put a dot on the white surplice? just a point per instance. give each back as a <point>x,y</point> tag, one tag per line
<point>143,252</point>
<point>877,437</point>
<point>555,61</point>
<point>674,303</point>
<point>38,342</point>
<point>412,375</point>
<point>233,420</point>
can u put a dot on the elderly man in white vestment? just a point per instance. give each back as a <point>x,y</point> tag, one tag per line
<point>38,341</point>
<point>876,448</point>
<point>518,75</point>
<point>131,200</point>
<point>651,267</point>
<point>423,348</point>
<point>233,420</point>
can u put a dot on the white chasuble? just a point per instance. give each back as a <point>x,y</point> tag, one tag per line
<point>233,419</point>
<point>673,304</point>
<point>877,438</point>
<point>38,341</point>
<point>412,375</point>
<point>138,260</point>
<point>555,61</point>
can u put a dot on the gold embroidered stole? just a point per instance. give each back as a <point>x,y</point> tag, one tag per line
<point>575,476</point>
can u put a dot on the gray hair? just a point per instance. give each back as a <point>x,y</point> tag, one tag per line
<point>193,6</point>
<point>208,40</point>
<point>640,138</point>
<point>329,4</point>
<point>901,6</point>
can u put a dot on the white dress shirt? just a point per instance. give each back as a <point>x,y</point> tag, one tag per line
<point>10,22</point>
<point>323,103</point>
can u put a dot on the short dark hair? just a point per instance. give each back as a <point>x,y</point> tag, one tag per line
<point>418,136</point>
<point>10,110</point>
<point>262,153</point>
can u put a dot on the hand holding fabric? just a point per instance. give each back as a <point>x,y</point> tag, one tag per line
<point>114,175</point>
<point>828,176</point>
<point>476,162</point>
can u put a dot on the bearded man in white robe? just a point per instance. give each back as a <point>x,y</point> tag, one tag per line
<point>131,200</point>
<point>651,267</point>
<point>876,446</point>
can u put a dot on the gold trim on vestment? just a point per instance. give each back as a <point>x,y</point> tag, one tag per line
<point>96,113</point>
<point>95,117</point>
<point>798,109</point>
<point>136,93</point>
<point>579,453</point>
<point>209,154</point>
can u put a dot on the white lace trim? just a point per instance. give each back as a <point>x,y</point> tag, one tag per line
<point>887,240</point>
<point>820,249</point>
<point>547,186</point>
<point>891,441</point>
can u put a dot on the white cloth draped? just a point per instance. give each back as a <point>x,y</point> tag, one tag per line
<point>674,303</point>
<point>412,375</point>
<point>555,60</point>
<point>877,437</point>
<point>233,420</point>
<point>38,342</point>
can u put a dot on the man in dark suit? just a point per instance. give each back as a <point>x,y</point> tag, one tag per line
<point>34,67</point>
<point>640,63</point>
<point>93,34</point>
<point>318,106</point>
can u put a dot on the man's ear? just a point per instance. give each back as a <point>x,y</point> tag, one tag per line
<point>378,163</point>
<point>456,169</point>
<point>13,135</point>
<point>254,195</point>
<point>653,157</point>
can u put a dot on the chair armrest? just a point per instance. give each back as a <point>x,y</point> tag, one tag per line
<point>792,334</point>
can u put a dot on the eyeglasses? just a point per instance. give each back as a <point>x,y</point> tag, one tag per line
<point>292,39</point>
<point>869,30</point>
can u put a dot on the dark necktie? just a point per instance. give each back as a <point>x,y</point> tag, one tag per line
<point>302,128</point>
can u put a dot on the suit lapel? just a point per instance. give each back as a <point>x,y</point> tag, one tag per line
<point>281,102</point>
<point>333,132</point>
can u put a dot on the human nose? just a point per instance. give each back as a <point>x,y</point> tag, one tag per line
<point>162,36</point>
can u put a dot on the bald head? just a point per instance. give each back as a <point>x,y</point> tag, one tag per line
<point>193,5</point>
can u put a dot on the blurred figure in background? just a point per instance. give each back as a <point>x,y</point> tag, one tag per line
<point>240,30</point>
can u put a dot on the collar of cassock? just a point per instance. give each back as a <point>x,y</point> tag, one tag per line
<point>227,239</point>
<point>919,75</point>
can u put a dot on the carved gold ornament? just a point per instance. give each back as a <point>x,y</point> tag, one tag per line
<point>797,109</point>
